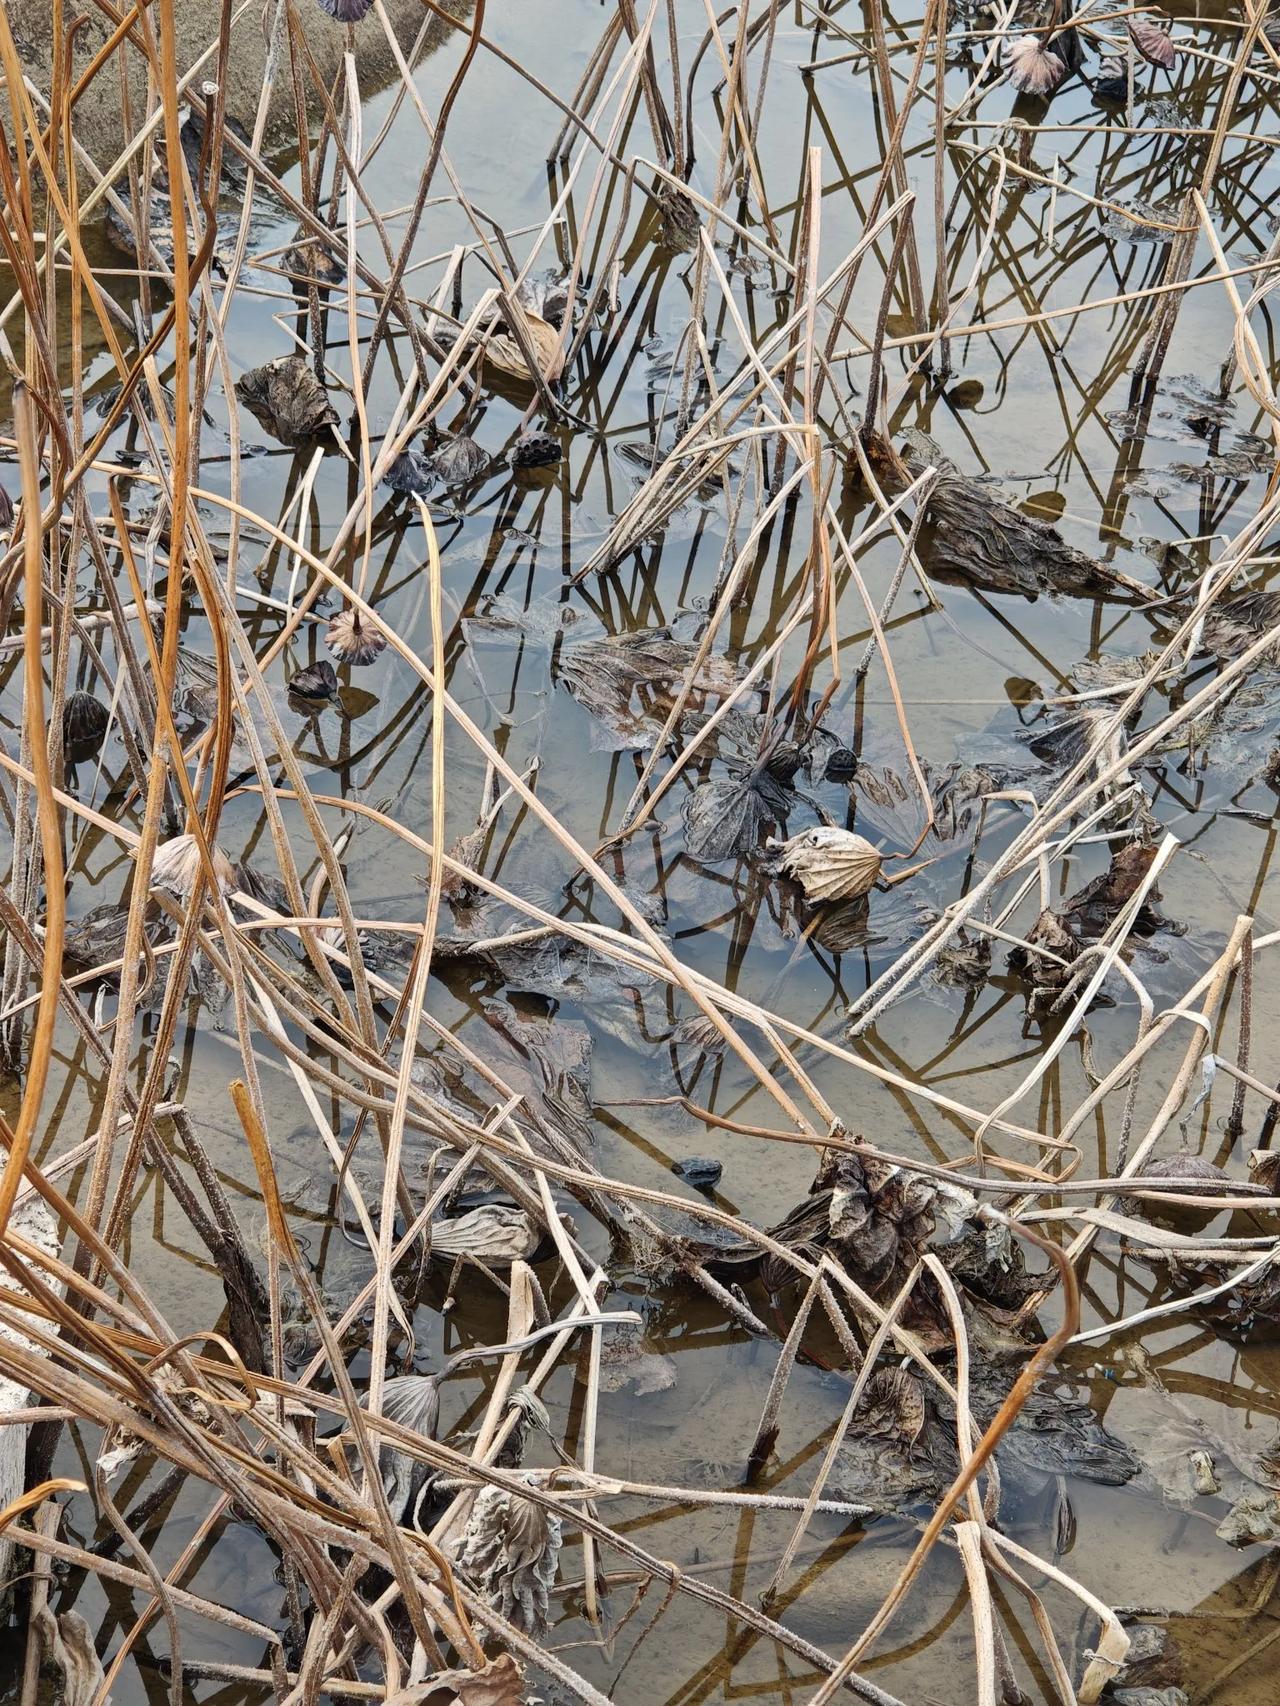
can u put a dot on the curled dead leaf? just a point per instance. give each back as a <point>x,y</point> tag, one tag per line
<point>830,863</point>
<point>502,349</point>
<point>1151,41</point>
<point>1034,67</point>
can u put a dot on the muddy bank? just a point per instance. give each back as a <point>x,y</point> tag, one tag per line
<point>99,113</point>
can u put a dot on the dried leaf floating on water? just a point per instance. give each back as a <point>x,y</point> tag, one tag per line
<point>288,399</point>
<point>502,349</point>
<point>628,682</point>
<point>460,459</point>
<point>493,1234</point>
<point>1151,41</point>
<point>352,638</point>
<point>499,1683</point>
<point>412,1400</point>
<point>1034,67</point>
<point>975,537</point>
<point>177,864</point>
<point>412,474</point>
<point>85,721</point>
<point>68,1646</point>
<point>316,684</point>
<point>1197,1171</point>
<point>510,1550</point>
<point>1237,623</point>
<point>1112,81</point>
<point>829,863</point>
<point>1091,909</point>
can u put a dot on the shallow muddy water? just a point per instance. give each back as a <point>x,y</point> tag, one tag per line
<point>1044,415</point>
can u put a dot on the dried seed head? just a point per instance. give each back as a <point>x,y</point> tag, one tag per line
<point>1033,67</point>
<point>177,864</point>
<point>536,450</point>
<point>829,863</point>
<point>353,639</point>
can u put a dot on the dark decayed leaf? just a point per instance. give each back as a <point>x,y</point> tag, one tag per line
<point>1079,730</point>
<point>460,459</point>
<point>723,819</point>
<point>628,682</point>
<point>411,474</point>
<point>975,537</point>
<point>288,399</point>
<point>1050,943</point>
<point>84,724</point>
<point>1237,623</point>
<point>98,937</point>
<point>1091,909</point>
<point>700,1171</point>
<point>892,1407</point>
<point>316,684</point>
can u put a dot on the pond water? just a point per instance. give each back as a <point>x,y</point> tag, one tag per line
<point>1043,413</point>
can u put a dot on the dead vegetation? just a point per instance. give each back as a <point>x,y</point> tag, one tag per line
<point>318,971</point>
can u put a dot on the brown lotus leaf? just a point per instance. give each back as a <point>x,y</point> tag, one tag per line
<point>498,1683</point>
<point>1151,41</point>
<point>502,349</point>
<point>893,1405</point>
<point>288,399</point>
<point>975,537</point>
<point>1034,67</point>
<point>830,863</point>
<point>68,1644</point>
